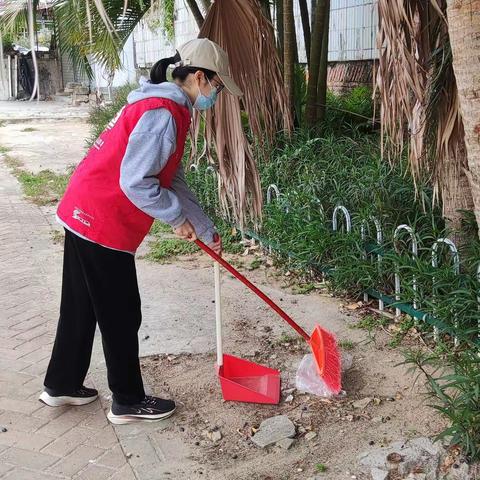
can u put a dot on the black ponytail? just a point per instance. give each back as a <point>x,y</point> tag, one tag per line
<point>158,73</point>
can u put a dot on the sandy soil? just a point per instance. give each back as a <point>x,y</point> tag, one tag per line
<point>396,412</point>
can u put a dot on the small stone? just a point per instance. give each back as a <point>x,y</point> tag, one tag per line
<point>286,443</point>
<point>146,337</point>
<point>289,399</point>
<point>215,436</point>
<point>182,429</point>
<point>310,436</point>
<point>299,470</point>
<point>378,474</point>
<point>371,442</point>
<point>129,455</point>
<point>272,430</point>
<point>377,419</point>
<point>197,444</point>
<point>234,456</point>
<point>395,457</point>
<point>289,391</point>
<point>171,358</point>
<point>362,404</point>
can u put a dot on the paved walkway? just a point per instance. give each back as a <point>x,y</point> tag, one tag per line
<point>39,442</point>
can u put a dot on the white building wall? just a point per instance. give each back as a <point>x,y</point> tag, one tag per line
<point>353,27</point>
<point>127,74</point>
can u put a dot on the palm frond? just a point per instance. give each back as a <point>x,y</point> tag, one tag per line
<point>89,28</point>
<point>419,101</point>
<point>255,65</point>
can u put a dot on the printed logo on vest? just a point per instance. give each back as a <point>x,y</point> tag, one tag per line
<point>76,216</point>
<point>114,120</point>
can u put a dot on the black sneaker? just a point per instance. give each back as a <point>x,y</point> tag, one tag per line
<point>150,409</point>
<point>82,396</point>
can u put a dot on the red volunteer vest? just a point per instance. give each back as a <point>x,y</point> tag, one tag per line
<point>94,205</point>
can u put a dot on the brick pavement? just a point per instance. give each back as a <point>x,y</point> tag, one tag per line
<point>41,442</point>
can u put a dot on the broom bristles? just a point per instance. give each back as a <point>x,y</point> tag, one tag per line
<point>327,358</point>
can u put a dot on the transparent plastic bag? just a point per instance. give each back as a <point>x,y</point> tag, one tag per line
<point>308,380</point>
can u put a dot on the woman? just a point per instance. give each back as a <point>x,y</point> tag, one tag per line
<point>130,176</point>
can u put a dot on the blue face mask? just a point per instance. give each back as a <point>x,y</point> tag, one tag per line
<point>202,102</point>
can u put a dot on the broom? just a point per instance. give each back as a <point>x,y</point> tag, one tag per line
<point>322,343</point>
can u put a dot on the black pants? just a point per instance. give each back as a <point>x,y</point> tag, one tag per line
<point>99,285</point>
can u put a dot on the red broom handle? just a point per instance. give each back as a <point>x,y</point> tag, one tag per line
<point>253,288</point>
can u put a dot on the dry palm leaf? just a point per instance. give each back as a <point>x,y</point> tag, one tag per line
<point>418,91</point>
<point>250,43</point>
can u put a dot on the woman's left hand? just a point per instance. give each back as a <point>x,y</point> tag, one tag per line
<point>216,245</point>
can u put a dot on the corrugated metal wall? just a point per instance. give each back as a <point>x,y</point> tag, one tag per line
<point>353,27</point>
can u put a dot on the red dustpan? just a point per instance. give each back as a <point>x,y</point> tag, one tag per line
<point>322,343</point>
<point>241,380</point>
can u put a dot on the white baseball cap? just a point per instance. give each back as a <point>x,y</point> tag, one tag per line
<point>203,53</point>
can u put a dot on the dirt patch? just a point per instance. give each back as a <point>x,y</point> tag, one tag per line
<point>343,430</point>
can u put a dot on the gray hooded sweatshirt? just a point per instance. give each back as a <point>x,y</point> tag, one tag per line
<point>151,143</point>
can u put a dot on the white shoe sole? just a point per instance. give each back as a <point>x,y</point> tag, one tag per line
<point>65,400</point>
<point>124,419</point>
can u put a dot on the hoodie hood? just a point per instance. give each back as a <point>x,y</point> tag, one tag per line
<point>164,90</point>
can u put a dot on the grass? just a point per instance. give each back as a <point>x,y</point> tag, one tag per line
<point>29,129</point>
<point>371,323</point>
<point>321,468</point>
<point>303,288</point>
<point>42,188</point>
<point>255,264</point>
<point>57,236</point>
<point>164,250</point>
<point>4,149</point>
<point>346,345</point>
<point>160,227</point>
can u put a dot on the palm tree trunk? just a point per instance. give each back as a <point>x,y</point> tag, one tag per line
<point>31,34</point>
<point>279,21</point>
<point>323,70</point>
<point>306,27</point>
<point>313,6</point>
<point>315,57</point>
<point>197,14</point>
<point>464,32</point>
<point>288,50</point>
<point>456,194</point>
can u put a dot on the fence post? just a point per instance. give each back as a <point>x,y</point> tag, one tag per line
<point>408,229</point>
<point>378,228</point>
<point>456,269</point>
<point>271,188</point>
<point>346,214</point>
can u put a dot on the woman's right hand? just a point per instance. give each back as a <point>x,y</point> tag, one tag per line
<point>186,231</point>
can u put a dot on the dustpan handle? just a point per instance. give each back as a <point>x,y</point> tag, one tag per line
<point>218,313</point>
<point>254,289</point>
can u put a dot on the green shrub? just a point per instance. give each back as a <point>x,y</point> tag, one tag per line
<point>453,383</point>
<point>99,116</point>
